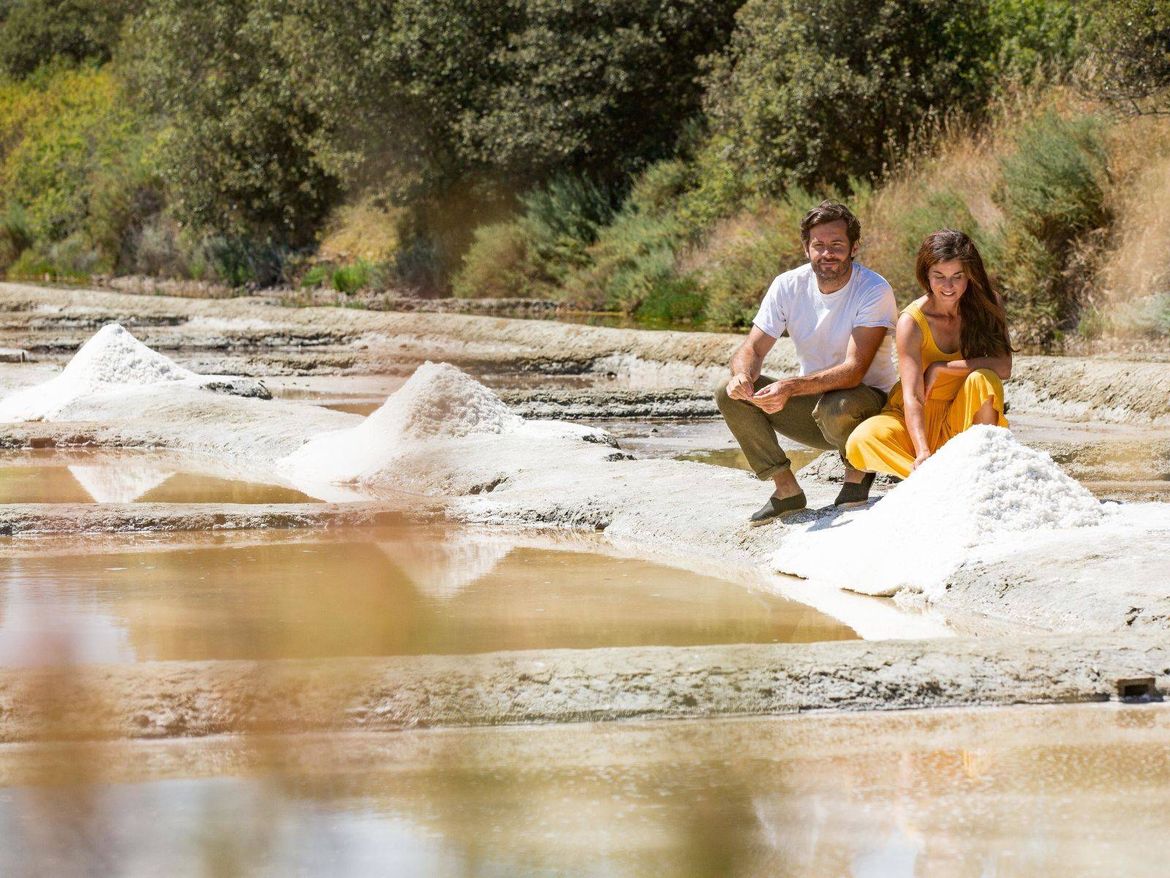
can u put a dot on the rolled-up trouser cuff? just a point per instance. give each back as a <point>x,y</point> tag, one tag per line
<point>772,470</point>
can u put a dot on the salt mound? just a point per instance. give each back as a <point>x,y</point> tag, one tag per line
<point>437,402</point>
<point>982,485</point>
<point>441,401</point>
<point>112,358</point>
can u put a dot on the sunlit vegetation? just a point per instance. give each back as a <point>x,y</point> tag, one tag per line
<point>647,157</point>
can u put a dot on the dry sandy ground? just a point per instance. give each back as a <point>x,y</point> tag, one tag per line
<point>1105,421</point>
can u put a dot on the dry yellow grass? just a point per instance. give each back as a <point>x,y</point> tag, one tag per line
<point>1136,262</point>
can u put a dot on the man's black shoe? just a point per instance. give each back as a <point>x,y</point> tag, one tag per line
<point>853,494</point>
<point>777,506</point>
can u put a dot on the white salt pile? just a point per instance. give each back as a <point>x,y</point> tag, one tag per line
<point>981,486</point>
<point>439,402</point>
<point>113,358</point>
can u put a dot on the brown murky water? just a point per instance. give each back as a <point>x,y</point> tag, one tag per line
<point>1072,791</point>
<point>373,593</point>
<point>52,476</point>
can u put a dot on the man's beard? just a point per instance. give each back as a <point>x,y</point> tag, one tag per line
<point>836,274</point>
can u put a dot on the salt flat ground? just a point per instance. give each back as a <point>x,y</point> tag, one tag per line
<point>1102,597</point>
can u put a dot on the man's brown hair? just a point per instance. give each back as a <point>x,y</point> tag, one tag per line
<point>829,212</point>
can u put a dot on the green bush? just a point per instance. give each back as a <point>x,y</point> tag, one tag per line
<point>240,261</point>
<point>245,158</point>
<point>673,300</point>
<point>350,278</point>
<point>1126,59</point>
<point>15,235</point>
<point>70,260</point>
<point>1037,38</point>
<point>531,256</point>
<point>1148,316</point>
<point>501,264</point>
<point>1052,197</point>
<point>316,277</point>
<point>631,260</point>
<point>157,248</point>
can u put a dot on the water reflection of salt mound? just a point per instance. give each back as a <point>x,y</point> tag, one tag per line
<point>439,402</point>
<point>112,358</point>
<point>123,483</point>
<point>443,568</point>
<point>982,485</point>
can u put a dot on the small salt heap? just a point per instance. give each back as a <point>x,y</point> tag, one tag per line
<point>113,358</point>
<point>438,402</point>
<point>982,485</point>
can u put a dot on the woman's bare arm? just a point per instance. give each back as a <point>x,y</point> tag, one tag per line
<point>908,338</point>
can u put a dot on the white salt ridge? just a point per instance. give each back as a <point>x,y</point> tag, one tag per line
<point>438,402</point>
<point>113,358</point>
<point>981,486</point>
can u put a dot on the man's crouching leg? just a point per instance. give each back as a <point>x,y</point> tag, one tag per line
<point>756,434</point>
<point>753,430</point>
<point>838,414</point>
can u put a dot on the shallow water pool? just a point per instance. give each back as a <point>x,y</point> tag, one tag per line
<point>370,593</point>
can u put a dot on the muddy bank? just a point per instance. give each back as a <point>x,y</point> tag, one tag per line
<point>28,519</point>
<point>191,699</point>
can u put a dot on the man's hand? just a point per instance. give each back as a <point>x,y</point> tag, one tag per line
<point>772,397</point>
<point>740,387</point>
<point>921,459</point>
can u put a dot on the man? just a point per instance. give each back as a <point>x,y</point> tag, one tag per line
<point>840,316</point>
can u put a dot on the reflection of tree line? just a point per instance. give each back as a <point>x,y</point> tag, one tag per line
<point>956,793</point>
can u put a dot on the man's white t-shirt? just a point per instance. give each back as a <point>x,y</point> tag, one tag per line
<point>820,324</point>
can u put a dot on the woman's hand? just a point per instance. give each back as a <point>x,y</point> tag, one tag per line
<point>920,459</point>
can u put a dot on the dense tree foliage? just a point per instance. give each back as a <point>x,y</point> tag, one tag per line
<point>33,32</point>
<point>818,94</point>
<point>278,104</point>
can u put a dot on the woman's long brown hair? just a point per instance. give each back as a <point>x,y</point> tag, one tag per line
<point>982,321</point>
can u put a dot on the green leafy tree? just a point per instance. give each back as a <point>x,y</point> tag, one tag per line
<point>1036,37</point>
<point>1128,53</point>
<point>597,86</point>
<point>242,154</point>
<point>75,165</point>
<point>818,94</point>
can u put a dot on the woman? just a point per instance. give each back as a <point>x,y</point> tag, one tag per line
<point>953,354</point>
